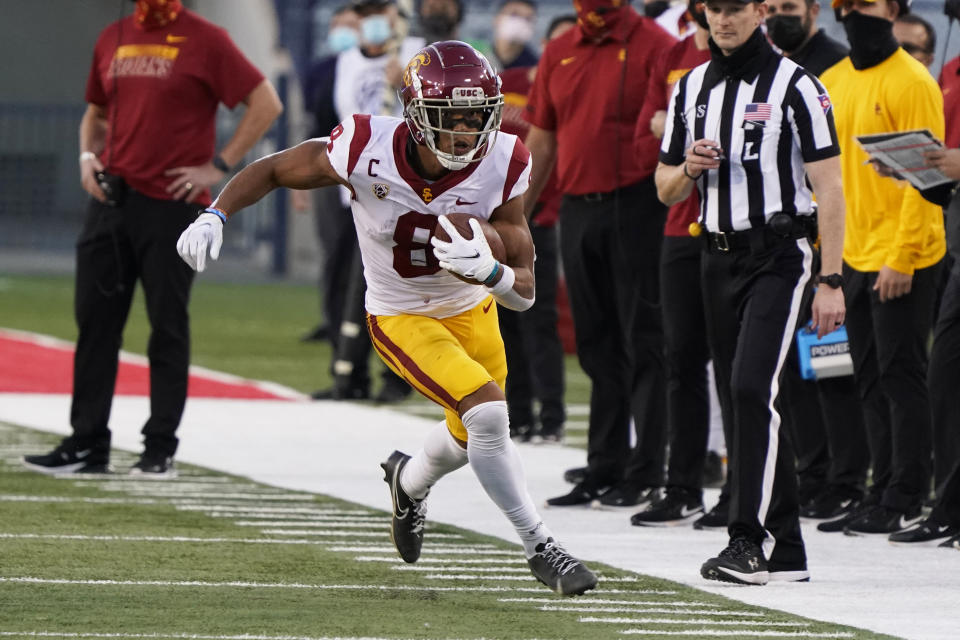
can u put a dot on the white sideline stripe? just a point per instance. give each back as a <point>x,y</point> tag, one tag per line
<point>466,576</point>
<point>435,550</point>
<point>634,603</point>
<point>223,511</point>
<point>396,560</point>
<point>426,569</point>
<point>747,623</point>
<point>264,585</point>
<point>18,498</point>
<point>184,636</point>
<point>179,480</point>
<point>348,534</point>
<point>586,599</point>
<point>297,518</point>
<point>699,612</point>
<point>55,536</point>
<point>159,492</point>
<point>369,523</point>
<point>133,358</point>
<point>170,485</point>
<point>707,632</point>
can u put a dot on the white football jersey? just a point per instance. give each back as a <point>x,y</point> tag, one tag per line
<point>395,212</point>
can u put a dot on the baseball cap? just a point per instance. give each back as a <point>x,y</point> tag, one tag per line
<point>904,5</point>
<point>368,4</point>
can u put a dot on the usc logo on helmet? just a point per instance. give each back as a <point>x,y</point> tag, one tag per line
<point>422,59</point>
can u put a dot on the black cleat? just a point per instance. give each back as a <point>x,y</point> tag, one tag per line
<point>882,521</point>
<point>742,562</point>
<point>716,518</point>
<point>154,465</point>
<point>69,458</point>
<point>625,495</point>
<point>409,514</point>
<point>929,532</point>
<point>952,543</point>
<point>829,505</point>
<point>673,508</point>
<point>575,475</point>
<point>556,568</point>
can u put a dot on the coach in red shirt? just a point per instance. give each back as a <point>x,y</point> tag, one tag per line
<point>147,160</point>
<point>583,107</point>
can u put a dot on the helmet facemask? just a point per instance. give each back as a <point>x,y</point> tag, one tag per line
<point>437,120</point>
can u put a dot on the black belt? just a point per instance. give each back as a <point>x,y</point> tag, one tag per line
<point>606,196</point>
<point>780,227</point>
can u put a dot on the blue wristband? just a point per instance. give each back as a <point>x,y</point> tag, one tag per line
<point>218,213</point>
<point>493,274</point>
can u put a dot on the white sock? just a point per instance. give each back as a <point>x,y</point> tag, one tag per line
<point>497,464</point>
<point>440,455</point>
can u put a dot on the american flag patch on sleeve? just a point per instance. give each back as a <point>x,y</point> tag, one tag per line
<point>756,111</point>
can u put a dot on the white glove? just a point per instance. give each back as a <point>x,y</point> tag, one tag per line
<point>206,231</point>
<point>468,258</point>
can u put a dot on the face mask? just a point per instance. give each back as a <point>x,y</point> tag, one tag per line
<point>700,17</point>
<point>787,32</point>
<point>342,38</point>
<point>514,29</point>
<point>438,24</point>
<point>375,30</point>
<point>596,18</point>
<point>869,37</point>
<point>153,14</point>
<point>655,8</point>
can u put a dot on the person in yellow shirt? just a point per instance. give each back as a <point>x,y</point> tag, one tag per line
<point>893,247</point>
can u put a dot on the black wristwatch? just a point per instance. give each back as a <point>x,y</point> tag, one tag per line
<point>834,280</point>
<point>220,163</point>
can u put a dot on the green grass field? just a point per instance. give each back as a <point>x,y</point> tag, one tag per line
<point>116,557</point>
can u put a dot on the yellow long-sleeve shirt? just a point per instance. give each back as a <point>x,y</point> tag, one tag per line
<point>888,222</point>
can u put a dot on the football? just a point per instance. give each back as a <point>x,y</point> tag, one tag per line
<point>462,222</point>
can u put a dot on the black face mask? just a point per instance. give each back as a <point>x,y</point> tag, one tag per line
<point>871,39</point>
<point>439,24</point>
<point>699,16</point>
<point>787,32</point>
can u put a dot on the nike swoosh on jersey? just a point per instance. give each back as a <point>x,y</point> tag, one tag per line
<point>460,202</point>
<point>566,61</point>
<point>172,38</point>
<point>487,308</point>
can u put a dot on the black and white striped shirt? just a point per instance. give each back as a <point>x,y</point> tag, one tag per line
<point>770,116</point>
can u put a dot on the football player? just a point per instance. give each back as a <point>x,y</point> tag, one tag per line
<point>436,331</point>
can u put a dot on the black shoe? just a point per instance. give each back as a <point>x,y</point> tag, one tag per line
<point>713,475</point>
<point>318,333</point>
<point>675,507</point>
<point>337,393</point>
<point>741,562</point>
<point>926,533</point>
<point>792,573</point>
<point>154,465</point>
<point>716,518</point>
<point>69,458</point>
<point>841,522</point>
<point>553,435</point>
<point>521,432</point>
<point>556,568</point>
<point>392,392</point>
<point>625,495</point>
<point>581,495</point>
<point>830,504</point>
<point>882,520</point>
<point>576,475</point>
<point>409,514</point>
<point>952,543</point>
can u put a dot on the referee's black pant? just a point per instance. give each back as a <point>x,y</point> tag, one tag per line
<point>117,247</point>
<point>753,300</point>
<point>610,247</point>
<point>888,343</point>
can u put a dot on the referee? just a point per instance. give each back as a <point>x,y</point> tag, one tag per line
<point>747,128</point>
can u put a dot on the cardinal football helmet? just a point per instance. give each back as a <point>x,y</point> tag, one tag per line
<point>447,84</point>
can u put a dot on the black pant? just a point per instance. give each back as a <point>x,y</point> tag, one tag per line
<point>534,351</point>
<point>687,357</point>
<point>117,247</point>
<point>947,508</point>
<point>338,239</point>
<point>752,301</point>
<point>611,251</point>
<point>943,380</point>
<point>888,343</point>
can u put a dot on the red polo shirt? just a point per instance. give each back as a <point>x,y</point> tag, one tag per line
<point>576,94</point>
<point>669,68</point>
<point>950,86</point>
<point>161,89</point>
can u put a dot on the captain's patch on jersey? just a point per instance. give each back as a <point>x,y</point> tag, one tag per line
<point>380,190</point>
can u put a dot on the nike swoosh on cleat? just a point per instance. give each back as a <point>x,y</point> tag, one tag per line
<point>83,454</point>
<point>904,522</point>
<point>686,513</point>
<point>398,513</point>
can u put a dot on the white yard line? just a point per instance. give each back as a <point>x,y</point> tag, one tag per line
<point>82,538</point>
<point>708,632</point>
<point>354,523</point>
<point>688,621</point>
<point>177,636</point>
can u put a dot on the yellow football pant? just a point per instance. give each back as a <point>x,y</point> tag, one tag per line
<point>445,359</point>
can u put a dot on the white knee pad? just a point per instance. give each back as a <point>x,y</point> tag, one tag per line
<point>488,427</point>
